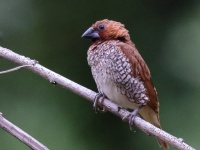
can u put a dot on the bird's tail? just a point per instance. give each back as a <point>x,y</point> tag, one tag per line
<point>152,117</point>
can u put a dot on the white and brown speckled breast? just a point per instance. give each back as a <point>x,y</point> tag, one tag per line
<point>112,73</point>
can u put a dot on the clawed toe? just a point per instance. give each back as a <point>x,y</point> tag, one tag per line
<point>98,98</point>
<point>131,119</point>
<point>132,116</point>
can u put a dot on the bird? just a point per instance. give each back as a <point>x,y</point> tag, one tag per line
<point>120,72</point>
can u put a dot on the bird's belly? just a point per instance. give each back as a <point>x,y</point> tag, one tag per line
<point>110,89</point>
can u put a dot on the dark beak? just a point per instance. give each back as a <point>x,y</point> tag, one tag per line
<point>91,34</point>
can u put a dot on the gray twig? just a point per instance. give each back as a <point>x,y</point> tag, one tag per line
<point>20,134</point>
<point>14,69</point>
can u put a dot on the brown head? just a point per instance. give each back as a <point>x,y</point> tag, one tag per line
<point>107,30</point>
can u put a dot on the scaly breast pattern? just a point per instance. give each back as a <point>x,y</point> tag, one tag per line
<point>112,73</point>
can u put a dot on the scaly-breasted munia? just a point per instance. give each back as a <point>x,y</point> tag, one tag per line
<point>120,72</point>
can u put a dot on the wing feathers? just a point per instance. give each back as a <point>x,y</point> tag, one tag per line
<point>140,69</point>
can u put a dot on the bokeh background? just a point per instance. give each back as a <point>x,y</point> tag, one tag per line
<point>167,34</point>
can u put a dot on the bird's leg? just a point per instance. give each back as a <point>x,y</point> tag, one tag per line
<point>119,108</point>
<point>98,98</point>
<point>133,115</point>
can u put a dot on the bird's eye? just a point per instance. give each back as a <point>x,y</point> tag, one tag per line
<point>101,27</point>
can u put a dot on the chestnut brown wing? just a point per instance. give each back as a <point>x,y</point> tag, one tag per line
<point>140,69</point>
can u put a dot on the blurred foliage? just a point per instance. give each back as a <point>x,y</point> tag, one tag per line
<point>167,34</point>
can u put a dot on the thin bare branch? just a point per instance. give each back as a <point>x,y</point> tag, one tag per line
<point>90,95</point>
<point>20,134</point>
<point>14,69</point>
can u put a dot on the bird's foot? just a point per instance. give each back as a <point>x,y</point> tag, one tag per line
<point>132,116</point>
<point>98,99</point>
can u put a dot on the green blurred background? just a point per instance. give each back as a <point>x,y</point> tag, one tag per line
<point>167,34</point>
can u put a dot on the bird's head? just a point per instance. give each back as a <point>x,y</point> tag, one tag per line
<point>107,30</point>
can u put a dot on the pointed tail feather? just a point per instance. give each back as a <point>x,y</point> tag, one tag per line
<point>163,144</point>
<point>151,116</point>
